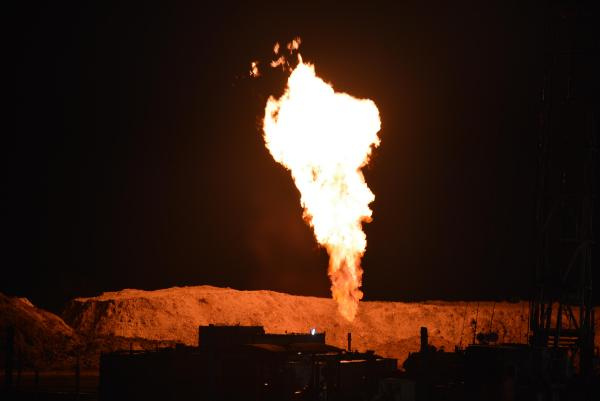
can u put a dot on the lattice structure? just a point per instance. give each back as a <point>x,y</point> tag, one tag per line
<point>561,309</point>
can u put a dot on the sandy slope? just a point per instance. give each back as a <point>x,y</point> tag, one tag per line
<point>41,338</point>
<point>147,319</point>
<point>43,341</point>
<point>389,328</point>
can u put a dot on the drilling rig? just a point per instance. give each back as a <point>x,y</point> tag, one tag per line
<point>561,312</point>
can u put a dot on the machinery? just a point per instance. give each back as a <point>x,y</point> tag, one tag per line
<point>560,362</point>
<point>243,362</point>
<point>562,316</point>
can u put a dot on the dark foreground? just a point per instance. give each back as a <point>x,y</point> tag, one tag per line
<point>51,386</point>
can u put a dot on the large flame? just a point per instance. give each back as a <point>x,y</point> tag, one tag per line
<point>324,138</point>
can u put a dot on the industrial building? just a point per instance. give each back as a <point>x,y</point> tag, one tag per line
<point>244,362</point>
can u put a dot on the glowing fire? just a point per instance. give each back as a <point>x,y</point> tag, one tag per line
<point>324,138</point>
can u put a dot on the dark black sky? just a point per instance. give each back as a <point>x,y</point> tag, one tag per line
<point>138,161</point>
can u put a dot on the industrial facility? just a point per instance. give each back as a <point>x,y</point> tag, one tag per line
<point>244,362</point>
<point>137,171</point>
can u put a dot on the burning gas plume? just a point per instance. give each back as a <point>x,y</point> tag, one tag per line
<point>324,138</point>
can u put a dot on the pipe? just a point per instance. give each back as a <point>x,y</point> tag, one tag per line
<point>424,340</point>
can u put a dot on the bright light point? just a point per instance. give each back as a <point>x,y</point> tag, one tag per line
<point>313,331</point>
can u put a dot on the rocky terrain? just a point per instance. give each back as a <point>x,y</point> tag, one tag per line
<point>147,319</point>
<point>389,328</point>
<point>41,338</point>
<point>44,342</point>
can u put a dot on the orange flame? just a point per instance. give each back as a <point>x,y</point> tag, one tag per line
<point>324,138</point>
<point>254,69</point>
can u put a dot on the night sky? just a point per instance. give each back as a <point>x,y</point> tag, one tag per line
<point>137,158</point>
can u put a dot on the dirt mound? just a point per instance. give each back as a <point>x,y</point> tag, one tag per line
<point>148,319</point>
<point>42,340</point>
<point>389,328</point>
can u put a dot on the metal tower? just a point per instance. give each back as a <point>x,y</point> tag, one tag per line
<point>561,309</point>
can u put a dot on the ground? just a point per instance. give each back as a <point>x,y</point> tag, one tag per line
<point>147,319</point>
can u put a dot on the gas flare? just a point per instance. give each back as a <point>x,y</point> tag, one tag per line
<point>254,69</point>
<point>324,138</point>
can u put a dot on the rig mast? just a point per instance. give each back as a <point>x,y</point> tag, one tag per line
<point>562,315</point>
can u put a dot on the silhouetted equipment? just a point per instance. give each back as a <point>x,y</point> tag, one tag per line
<point>349,349</point>
<point>238,362</point>
<point>77,375</point>
<point>424,339</point>
<point>487,372</point>
<point>558,361</point>
<point>474,323</point>
<point>10,356</point>
<point>218,337</point>
<point>489,337</point>
<point>436,374</point>
<point>562,316</point>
